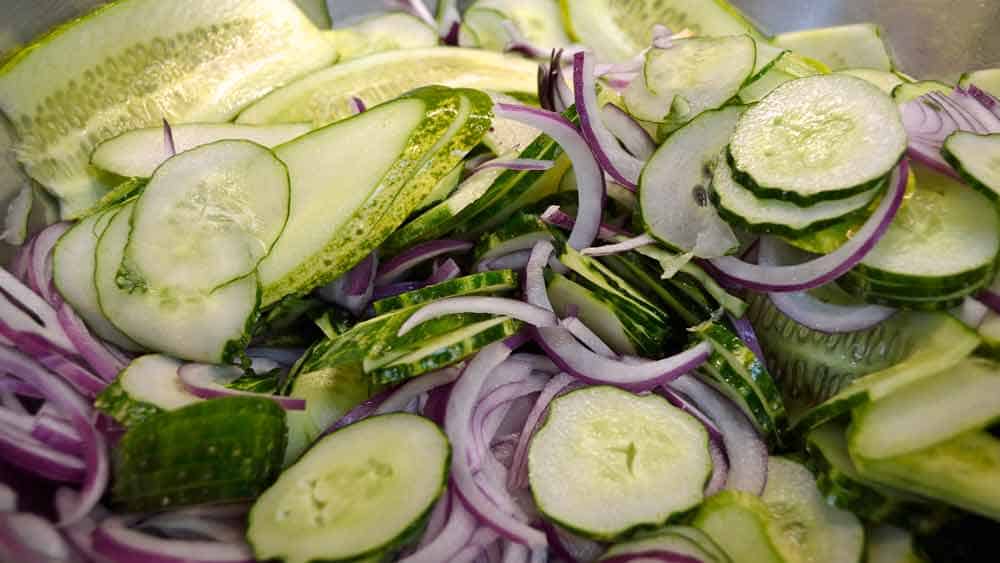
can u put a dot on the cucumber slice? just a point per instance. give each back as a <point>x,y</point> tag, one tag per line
<point>73,264</point>
<point>738,522</point>
<point>945,233</point>
<point>148,386</point>
<point>647,325</point>
<point>785,68</point>
<point>912,90</point>
<point>942,343</point>
<point>209,328</point>
<point>362,493</point>
<point>207,217</point>
<point>441,351</point>
<point>841,47</point>
<point>841,484</point>
<point>977,160</point>
<point>139,152</point>
<point>618,31</point>
<point>492,282</point>
<point>127,189</point>
<point>816,138</point>
<point>538,21</point>
<point>739,206</point>
<point>987,80</point>
<point>329,393</point>
<point>222,450</point>
<point>445,187</point>
<point>962,472</point>
<point>886,81</point>
<point>131,63</point>
<point>758,89</point>
<point>960,399</point>
<point>692,76</point>
<point>380,33</point>
<point>442,218</point>
<point>767,56</point>
<point>325,97</point>
<point>570,298</point>
<point>821,532</point>
<point>520,230</point>
<point>646,458</point>
<point>673,188</point>
<point>680,545</point>
<point>421,137</point>
<point>888,544</point>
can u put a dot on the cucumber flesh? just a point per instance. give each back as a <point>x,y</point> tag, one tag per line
<point>739,206</point>
<point>361,493</point>
<point>604,436</point>
<point>803,526</point>
<point>961,472</point>
<point>380,33</point>
<point>538,21</point>
<point>987,80</point>
<point>912,90</point>
<point>139,152</point>
<point>841,47</point>
<point>222,450</point>
<point>148,386</point>
<point>73,263</point>
<point>738,522</point>
<point>600,316</point>
<point>692,76</point>
<point>886,81</point>
<point>673,188</point>
<point>325,96</point>
<point>977,160</point>
<point>963,398</point>
<point>130,64</point>
<point>815,138</point>
<point>495,281</point>
<point>683,547</point>
<point>785,68</point>
<point>202,327</point>
<point>207,217</point>
<point>618,31</point>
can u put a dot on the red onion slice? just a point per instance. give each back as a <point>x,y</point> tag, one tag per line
<point>353,290</point>
<point>396,268</point>
<point>417,387</point>
<point>105,362</point>
<point>931,118</point>
<point>450,22</point>
<point>748,335</point>
<point>24,311</point>
<point>8,499</point>
<point>208,382</point>
<point>589,176</point>
<point>518,43</point>
<point>517,478</point>
<point>577,360</point>
<point>26,537</point>
<point>40,269</point>
<point>826,268</point>
<point>57,433</point>
<point>558,218</point>
<point>116,540</point>
<point>618,248</point>
<point>626,129</point>
<point>514,261</point>
<point>615,160</point>
<point>587,337</point>
<point>535,292</point>
<point>813,313</point>
<point>991,298</point>
<point>745,450</point>
<point>652,556</point>
<point>519,164</point>
<point>460,527</point>
<point>169,147</point>
<point>21,449</point>
<point>447,270</point>
<point>972,312</point>
<point>520,310</point>
<point>415,8</point>
<point>358,105</point>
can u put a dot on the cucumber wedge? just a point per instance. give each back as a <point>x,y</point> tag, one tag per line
<point>690,77</point>
<point>638,454</point>
<point>496,281</point>
<point>841,47</point>
<point>205,327</point>
<point>739,206</point>
<point>139,152</point>
<point>222,450</point>
<point>148,386</point>
<point>986,79</point>
<point>360,494</point>
<point>961,472</point>
<point>380,33</point>
<point>977,160</point>
<point>818,138</point>
<point>325,97</point>
<point>421,138</point>
<point>620,30</point>
<point>673,188</point>
<point>207,217</point>
<point>960,399</point>
<point>737,522</point>
<point>73,263</point>
<point>132,63</point>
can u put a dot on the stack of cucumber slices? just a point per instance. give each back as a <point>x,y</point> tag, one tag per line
<point>519,281</point>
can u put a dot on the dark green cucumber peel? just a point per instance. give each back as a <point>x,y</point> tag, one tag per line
<point>117,404</point>
<point>214,451</point>
<point>494,281</point>
<point>520,225</point>
<point>393,346</point>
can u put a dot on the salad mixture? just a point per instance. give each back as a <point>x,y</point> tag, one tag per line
<point>537,280</point>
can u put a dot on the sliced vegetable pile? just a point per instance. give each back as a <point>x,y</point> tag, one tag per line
<point>565,281</point>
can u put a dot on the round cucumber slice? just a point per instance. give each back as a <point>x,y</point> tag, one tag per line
<point>738,521</point>
<point>638,454</point>
<point>325,97</point>
<point>817,138</point>
<point>362,492</point>
<point>207,217</point>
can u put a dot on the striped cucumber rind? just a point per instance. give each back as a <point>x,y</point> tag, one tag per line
<point>220,450</point>
<point>494,281</point>
<point>515,231</point>
<point>147,386</point>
